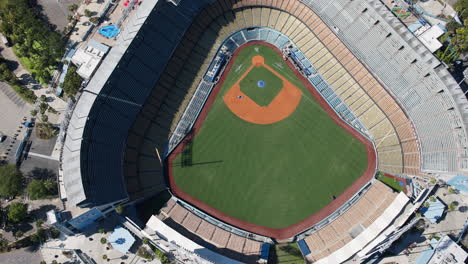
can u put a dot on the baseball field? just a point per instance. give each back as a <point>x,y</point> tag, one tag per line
<point>266,152</point>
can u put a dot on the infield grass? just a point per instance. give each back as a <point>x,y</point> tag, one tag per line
<point>261,95</point>
<point>270,175</point>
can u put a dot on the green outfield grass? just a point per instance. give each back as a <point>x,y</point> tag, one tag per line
<point>270,175</point>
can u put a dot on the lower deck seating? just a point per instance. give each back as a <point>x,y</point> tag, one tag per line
<point>351,223</point>
<point>218,237</point>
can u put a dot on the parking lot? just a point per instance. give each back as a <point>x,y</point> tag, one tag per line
<point>57,11</point>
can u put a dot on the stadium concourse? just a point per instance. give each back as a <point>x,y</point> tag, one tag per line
<point>368,67</point>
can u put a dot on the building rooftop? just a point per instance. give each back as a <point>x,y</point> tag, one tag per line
<point>121,240</point>
<point>435,210</point>
<point>430,38</point>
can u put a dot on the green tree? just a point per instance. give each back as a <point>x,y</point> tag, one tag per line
<point>17,212</point>
<point>72,82</point>
<point>94,20</point>
<point>461,7</point>
<point>18,234</point>
<point>46,131</point>
<point>88,13</point>
<point>39,223</point>
<point>38,47</point>
<point>40,189</point>
<point>39,236</point>
<point>44,118</point>
<point>5,74</point>
<point>54,233</point>
<point>451,190</point>
<point>161,256</point>
<point>103,240</point>
<point>11,180</point>
<point>43,107</point>
<point>119,209</point>
<point>3,244</point>
<point>73,7</point>
<point>33,112</point>
<point>452,206</point>
<point>101,230</point>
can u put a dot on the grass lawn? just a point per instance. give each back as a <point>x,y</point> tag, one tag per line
<point>392,182</point>
<point>286,254</point>
<point>271,175</point>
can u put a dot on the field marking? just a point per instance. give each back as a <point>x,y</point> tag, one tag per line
<point>238,68</point>
<point>278,65</point>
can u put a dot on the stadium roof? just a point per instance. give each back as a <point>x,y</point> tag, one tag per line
<point>169,234</point>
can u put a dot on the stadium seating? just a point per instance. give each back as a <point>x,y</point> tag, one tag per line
<point>351,223</point>
<point>220,238</point>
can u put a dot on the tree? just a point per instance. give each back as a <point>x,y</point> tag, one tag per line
<point>103,240</point>
<point>39,236</point>
<point>461,6</point>
<point>72,82</point>
<point>40,189</point>
<point>119,209</point>
<point>145,241</point>
<point>33,112</point>
<point>11,180</point>
<point>3,244</point>
<point>452,206</point>
<point>39,223</point>
<point>161,256</point>
<point>101,230</point>
<point>451,190</point>
<point>19,234</point>
<point>5,74</point>
<point>73,7</point>
<point>43,107</point>
<point>46,130</point>
<point>94,20</point>
<point>44,118</point>
<point>88,13</point>
<point>37,46</point>
<point>17,212</point>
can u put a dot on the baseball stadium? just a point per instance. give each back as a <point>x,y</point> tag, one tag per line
<point>241,126</point>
